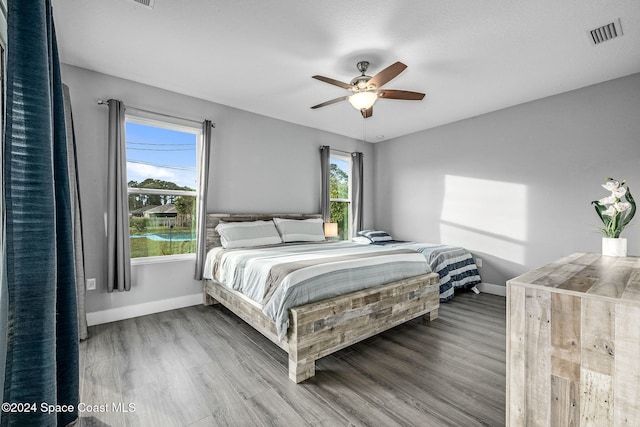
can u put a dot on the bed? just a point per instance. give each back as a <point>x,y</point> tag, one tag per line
<point>455,265</point>
<point>319,328</point>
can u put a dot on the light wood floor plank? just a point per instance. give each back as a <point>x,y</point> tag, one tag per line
<point>450,391</point>
<point>203,366</point>
<point>215,390</point>
<point>400,403</point>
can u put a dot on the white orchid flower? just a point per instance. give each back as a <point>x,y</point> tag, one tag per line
<point>614,213</point>
<point>622,206</point>
<point>619,192</point>
<point>607,200</point>
<point>611,185</point>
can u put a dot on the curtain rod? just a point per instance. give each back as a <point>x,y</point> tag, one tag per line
<point>342,151</point>
<point>103,102</point>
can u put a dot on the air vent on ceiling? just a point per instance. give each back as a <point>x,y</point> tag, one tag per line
<point>147,3</point>
<point>606,32</point>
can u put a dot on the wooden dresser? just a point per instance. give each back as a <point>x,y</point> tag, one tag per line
<point>573,343</point>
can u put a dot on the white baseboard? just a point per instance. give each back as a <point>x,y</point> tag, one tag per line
<point>490,288</point>
<point>137,310</point>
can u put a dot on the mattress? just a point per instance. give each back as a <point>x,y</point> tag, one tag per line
<point>279,277</point>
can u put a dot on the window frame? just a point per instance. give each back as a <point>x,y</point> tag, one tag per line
<point>197,131</point>
<point>345,157</point>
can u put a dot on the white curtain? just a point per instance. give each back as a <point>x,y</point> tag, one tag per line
<point>118,250</point>
<point>203,184</point>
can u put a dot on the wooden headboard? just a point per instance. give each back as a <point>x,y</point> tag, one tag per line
<point>213,219</point>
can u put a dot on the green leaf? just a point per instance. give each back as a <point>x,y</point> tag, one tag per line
<point>599,209</point>
<point>631,212</point>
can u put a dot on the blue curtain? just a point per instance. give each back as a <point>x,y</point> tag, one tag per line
<point>42,341</point>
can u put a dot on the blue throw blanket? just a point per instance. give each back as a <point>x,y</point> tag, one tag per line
<point>454,265</point>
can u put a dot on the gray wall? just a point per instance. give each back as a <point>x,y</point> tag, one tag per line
<point>258,164</point>
<point>515,186</point>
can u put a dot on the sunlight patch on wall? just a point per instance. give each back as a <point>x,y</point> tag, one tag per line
<point>484,215</point>
<point>481,242</point>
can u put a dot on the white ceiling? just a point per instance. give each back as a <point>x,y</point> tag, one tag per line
<point>470,57</point>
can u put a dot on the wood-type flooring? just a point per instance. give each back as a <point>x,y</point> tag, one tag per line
<point>203,366</point>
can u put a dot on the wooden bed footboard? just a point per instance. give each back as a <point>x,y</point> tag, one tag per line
<point>321,328</point>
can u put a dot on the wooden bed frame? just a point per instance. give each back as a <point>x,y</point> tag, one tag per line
<point>321,328</point>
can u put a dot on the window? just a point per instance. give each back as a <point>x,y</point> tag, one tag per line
<point>162,181</point>
<point>340,193</point>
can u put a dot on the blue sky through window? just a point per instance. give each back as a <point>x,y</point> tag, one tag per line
<point>343,165</point>
<point>159,153</point>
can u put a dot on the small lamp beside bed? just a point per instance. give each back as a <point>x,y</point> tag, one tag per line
<point>330,229</point>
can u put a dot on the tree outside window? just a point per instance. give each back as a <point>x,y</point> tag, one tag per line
<point>340,197</point>
<point>161,168</point>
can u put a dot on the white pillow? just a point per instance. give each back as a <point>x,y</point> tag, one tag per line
<point>300,230</point>
<point>247,234</point>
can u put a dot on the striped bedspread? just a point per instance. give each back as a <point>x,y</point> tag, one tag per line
<point>454,265</point>
<point>283,276</point>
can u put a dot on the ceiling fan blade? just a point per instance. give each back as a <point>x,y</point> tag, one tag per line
<point>400,94</point>
<point>387,74</point>
<point>333,101</point>
<point>333,82</point>
<point>367,113</point>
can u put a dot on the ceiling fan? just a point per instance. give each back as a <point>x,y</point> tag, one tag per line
<point>366,89</point>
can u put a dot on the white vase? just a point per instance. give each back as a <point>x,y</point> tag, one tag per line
<point>614,247</point>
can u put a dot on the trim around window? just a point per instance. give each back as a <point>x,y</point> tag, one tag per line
<point>163,259</point>
<point>344,226</point>
<point>140,258</point>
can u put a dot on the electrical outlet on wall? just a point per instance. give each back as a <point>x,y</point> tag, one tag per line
<point>91,284</point>
<point>479,262</point>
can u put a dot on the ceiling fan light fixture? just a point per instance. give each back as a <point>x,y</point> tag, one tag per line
<point>366,90</point>
<point>363,100</point>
